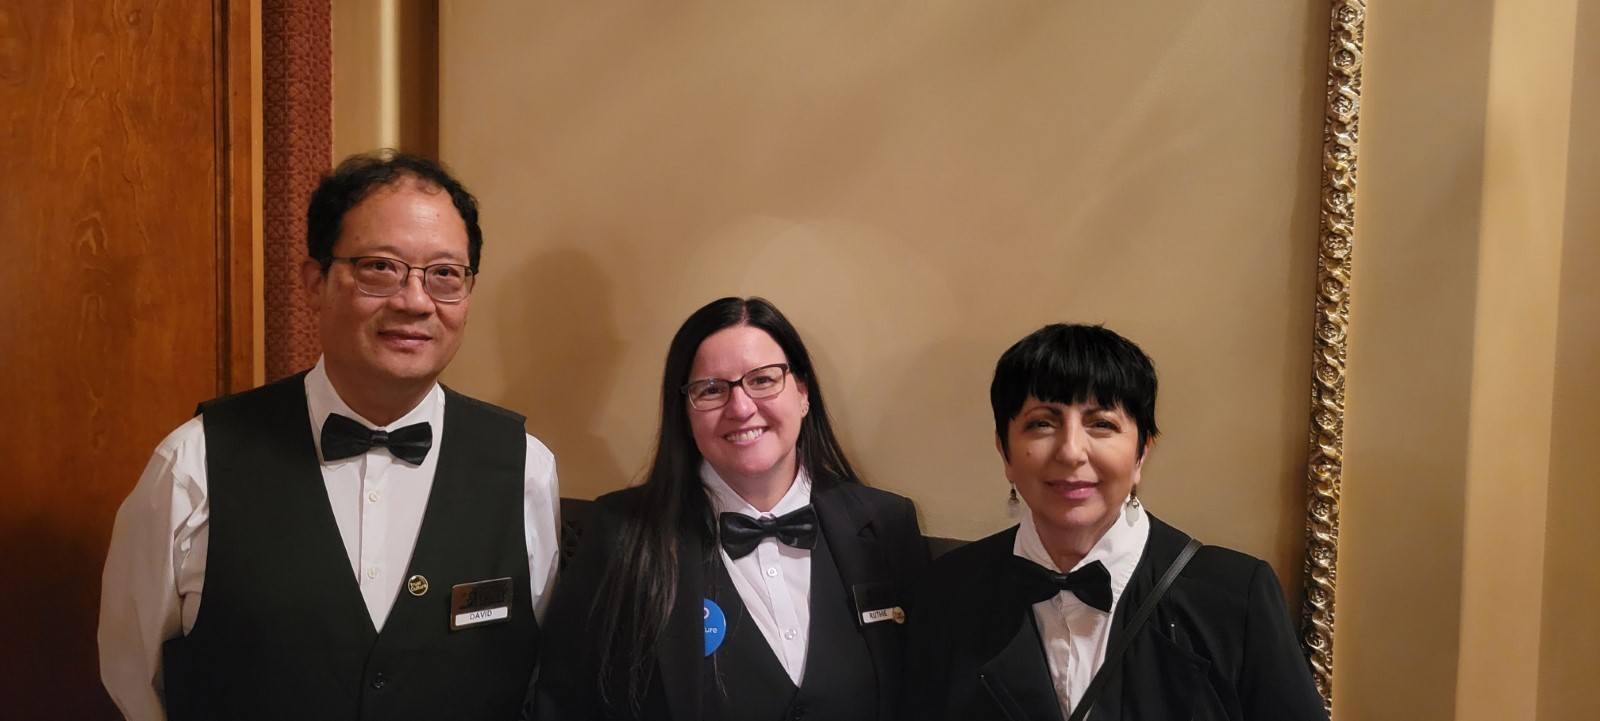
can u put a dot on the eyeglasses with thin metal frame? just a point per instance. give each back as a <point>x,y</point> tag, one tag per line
<point>382,277</point>
<point>712,393</point>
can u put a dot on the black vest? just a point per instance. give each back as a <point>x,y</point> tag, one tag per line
<point>282,631</point>
<point>744,681</point>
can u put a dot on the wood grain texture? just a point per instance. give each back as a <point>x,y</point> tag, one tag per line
<point>238,120</point>
<point>118,310</point>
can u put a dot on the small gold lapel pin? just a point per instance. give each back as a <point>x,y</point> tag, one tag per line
<point>417,585</point>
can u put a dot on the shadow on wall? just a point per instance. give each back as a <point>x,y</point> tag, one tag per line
<point>970,469</point>
<point>564,373</point>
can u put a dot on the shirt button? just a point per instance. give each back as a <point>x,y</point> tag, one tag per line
<point>372,496</point>
<point>378,681</point>
<point>789,634</point>
<point>372,572</point>
<point>772,572</point>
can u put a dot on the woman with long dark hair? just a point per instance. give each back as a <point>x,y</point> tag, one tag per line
<point>752,575</point>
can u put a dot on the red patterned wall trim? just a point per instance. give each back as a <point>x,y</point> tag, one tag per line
<point>297,140</point>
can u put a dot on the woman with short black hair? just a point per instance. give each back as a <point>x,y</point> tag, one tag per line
<point>752,575</point>
<point>1092,607</point>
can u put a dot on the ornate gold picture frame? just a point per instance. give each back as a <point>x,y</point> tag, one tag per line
<point>1336,241</point>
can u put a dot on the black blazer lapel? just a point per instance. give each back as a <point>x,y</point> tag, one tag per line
<point>872,569</point>
<point>681,648</point>
<point>1157,678</point>
<point>853,542</point>
<point>1011,665</point>
<point>851,536</point>
<point>1018,677</point>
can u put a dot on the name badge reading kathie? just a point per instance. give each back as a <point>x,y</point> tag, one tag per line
<point>475,604</point>
<point>883,614</point>
<point>877,602</point>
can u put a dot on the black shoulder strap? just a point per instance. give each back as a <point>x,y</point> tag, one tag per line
<point>1114,655</point>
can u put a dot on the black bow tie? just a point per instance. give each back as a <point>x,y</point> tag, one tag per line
<point>1091,583</point>
<point>344,437</point>
<point>741,533</point>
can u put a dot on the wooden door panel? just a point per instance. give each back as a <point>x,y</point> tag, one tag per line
<point>114,272</point>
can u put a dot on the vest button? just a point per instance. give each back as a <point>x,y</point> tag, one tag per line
<point>379,681</point>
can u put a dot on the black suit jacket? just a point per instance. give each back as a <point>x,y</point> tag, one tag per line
<point>1219,646</point>
<point>876,545</point>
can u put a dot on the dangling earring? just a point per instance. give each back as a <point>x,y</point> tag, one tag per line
<point>1012,502</point>
<point>1133,504</point>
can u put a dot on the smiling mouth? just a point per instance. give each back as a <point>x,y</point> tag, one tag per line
<point>744,436</point>
<point>404,336</point>
<point>1072,490</point>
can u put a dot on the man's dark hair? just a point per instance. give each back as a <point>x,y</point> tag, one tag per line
<point>359,176</point>
<point>1062,363</point>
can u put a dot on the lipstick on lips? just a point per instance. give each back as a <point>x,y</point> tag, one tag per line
<point>1073,490</point>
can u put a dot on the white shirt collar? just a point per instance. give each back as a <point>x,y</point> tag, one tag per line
<point>322,400</point>
<point>1118,550</point>
<point>726,500</point>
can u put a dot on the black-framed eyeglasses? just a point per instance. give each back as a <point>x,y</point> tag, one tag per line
<point>382,277</point>
<point>712,393</point>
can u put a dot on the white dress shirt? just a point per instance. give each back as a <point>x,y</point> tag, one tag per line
<point>773,581</point>
<point>1076,634</point>
<point>155,570</point>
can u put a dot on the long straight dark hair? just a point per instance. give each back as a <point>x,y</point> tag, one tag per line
<point>640,584</point>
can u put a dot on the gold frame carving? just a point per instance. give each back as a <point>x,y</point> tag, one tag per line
<point>1325,466</point>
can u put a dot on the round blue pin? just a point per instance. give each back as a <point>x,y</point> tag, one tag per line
<point>716,626</point>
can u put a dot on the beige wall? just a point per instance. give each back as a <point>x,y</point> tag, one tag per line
<point>1569,656</point>
<point>385,76</point>
<point>917,187</point>
<point>1513,362</point>
<point>1410,361</point>
<point>1472,367</point>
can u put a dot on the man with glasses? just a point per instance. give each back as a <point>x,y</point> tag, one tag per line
<point>368,543</point>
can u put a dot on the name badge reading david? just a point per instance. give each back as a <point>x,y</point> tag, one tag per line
<point>475,604</point>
